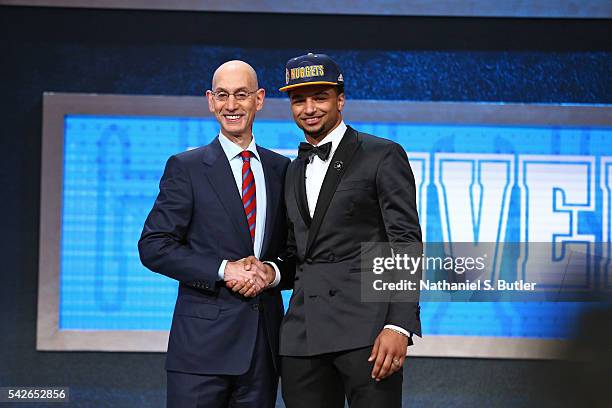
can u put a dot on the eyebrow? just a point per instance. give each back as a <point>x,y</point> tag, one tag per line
<point>321,93</point>
<point>244,88</point>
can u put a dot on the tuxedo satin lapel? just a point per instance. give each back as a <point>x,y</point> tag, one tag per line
<point>219,174</point>
<point>300,191</point>
<point>344,154</point>
<point>272,197</point>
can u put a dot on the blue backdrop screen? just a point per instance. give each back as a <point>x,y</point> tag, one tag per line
<point>500,181</point>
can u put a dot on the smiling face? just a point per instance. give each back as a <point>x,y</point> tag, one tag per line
<point>235,116</point>
<point>317,110</point>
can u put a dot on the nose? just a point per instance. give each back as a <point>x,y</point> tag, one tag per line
<point>310,107</point>
<point>231,103</point>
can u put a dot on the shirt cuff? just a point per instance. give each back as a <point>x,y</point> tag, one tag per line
<point>397,329</point>
<point>221,272</point>
<point>277,278</point>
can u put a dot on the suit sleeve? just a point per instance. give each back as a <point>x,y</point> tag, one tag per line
<point>397,201</point>
<point>283,263</point>
<point>286,261</point>
<point>164,246</point>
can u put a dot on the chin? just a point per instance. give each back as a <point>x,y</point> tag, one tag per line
<point>315,131</point>
<point>234,129</point>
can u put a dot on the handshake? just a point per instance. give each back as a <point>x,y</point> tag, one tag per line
<point>248,276</point>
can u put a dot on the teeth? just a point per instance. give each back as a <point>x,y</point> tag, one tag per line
<point>232,117</point>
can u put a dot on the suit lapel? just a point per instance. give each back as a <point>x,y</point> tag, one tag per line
<point>272,197</point>
<point>339,163</point>
<point>222,180</point>
<point>299,189</point>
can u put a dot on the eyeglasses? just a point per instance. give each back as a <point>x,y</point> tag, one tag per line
<point>223,96</point>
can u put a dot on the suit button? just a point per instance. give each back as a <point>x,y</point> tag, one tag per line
<point>255,306</point>
<point>308,260</point>
<point>331,257</point>
<point>332,292</point>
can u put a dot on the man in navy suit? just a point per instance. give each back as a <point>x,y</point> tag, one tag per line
<point>218,213</point>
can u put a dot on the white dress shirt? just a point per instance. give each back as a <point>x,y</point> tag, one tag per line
<point>232,152</point>
<point>317,168</point>
<point>315,173</point>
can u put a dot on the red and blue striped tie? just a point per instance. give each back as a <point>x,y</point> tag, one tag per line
<point>249,201</point>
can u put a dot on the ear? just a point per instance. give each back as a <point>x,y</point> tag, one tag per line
<point>340,101</point>
<point>211,102</point>
<point>259,98</point>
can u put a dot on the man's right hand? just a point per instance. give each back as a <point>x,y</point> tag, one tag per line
<point>246,276</point>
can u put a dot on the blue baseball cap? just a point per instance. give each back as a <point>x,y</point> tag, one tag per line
<point>311,69</point>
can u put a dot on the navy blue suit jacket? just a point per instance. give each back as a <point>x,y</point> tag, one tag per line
<point>196,222</point>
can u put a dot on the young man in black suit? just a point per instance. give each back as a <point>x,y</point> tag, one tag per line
<point>345,188</point>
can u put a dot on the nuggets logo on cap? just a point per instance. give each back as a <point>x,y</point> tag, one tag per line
<point>311,69</point>
<point>307,71</point>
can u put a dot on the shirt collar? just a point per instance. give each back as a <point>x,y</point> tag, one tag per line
<point>335,136</point>
<point>232,150</point>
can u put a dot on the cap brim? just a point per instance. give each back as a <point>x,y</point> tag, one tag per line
<point>288,87</point>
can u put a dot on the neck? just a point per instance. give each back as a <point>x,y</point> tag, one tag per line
<point>241,140</point>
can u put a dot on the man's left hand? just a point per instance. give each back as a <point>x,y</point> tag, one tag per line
<point>388,353</point>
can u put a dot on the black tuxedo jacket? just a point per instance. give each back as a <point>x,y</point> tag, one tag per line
<point>368,195</point>
<point>196,222</point>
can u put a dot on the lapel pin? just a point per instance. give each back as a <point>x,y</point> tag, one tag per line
<point>338,165</point>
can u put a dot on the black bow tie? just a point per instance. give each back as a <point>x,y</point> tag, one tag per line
<point>306,151</point>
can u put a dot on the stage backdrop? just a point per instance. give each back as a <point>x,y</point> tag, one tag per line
<point>484,173</point>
